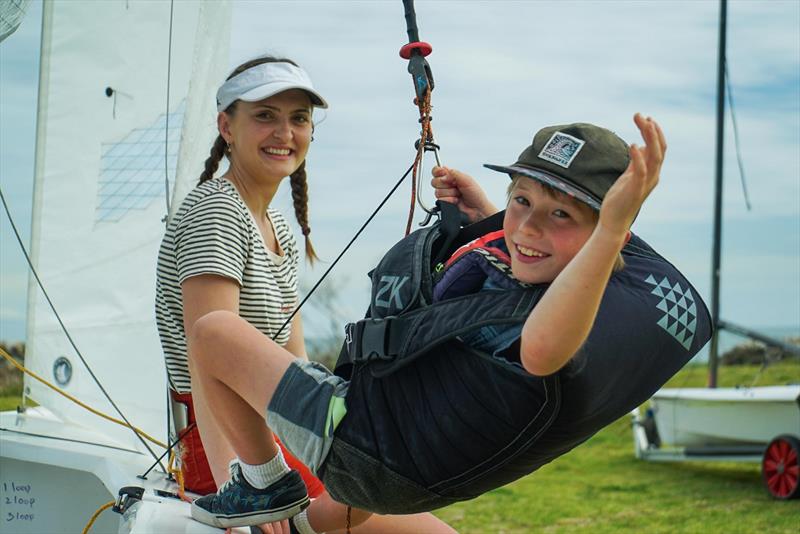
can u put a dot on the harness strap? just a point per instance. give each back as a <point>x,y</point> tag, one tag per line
<point>391,343</point>
<point>449,227</point>
<point>481,228</point>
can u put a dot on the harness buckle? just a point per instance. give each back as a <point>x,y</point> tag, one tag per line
<point>367,340</point>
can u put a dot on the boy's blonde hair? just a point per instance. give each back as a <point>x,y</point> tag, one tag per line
<point>619,263</point>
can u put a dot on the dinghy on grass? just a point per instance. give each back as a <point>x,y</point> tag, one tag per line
<point>757,424</point>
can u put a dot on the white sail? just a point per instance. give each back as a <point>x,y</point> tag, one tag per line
<point>11,14</point>
<point>103,149</point>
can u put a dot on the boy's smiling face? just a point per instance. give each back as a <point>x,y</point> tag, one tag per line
<point>544,230</point>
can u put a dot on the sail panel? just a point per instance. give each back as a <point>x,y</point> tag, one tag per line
<point>106,137</point>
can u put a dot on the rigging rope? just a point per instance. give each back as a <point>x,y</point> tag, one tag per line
<point>99,511</point>
<point>358,233</point>
<point>415,52</point>
<point>425,140</point>
<point>166,114</point>
<point>66,332</point>
<point>176,471</point>
<point>736,135</point>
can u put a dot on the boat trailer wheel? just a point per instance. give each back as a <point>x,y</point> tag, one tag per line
<point>780,468</point>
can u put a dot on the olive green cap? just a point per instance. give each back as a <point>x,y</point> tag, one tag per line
<point>580,159</point>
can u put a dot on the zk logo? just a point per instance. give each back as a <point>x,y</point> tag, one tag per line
<point>390,285</point>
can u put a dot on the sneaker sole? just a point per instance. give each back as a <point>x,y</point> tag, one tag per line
<point>250,518</point>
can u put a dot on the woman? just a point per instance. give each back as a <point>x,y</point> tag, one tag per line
<point>227,249</point>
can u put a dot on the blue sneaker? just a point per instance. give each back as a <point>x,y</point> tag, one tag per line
<point>238,504</point>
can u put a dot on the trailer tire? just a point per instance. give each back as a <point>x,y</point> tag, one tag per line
<point>780,467</point>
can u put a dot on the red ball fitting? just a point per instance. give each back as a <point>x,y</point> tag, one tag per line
<point>423,47</point>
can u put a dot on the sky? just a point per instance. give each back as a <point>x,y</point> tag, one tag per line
<point>502,71</point>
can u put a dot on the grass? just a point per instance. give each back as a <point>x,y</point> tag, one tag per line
<point>600,487</point>
<point>10,398</point>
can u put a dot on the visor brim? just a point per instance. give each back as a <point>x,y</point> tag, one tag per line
<point>271,89</point>
<point>552,180</point>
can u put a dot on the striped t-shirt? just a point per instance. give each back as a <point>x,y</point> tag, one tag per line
<point>213,232</point>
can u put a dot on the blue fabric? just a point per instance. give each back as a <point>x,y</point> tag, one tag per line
<point>493,338</point>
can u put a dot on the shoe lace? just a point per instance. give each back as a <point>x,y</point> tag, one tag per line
<point>234,471</point>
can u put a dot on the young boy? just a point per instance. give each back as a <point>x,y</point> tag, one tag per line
<point>451,399</point>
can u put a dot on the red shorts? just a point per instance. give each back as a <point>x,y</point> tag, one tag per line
<point>197,476</point>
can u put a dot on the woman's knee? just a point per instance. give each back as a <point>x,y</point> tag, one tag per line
<point>358,516</point>
<point>210,333</point>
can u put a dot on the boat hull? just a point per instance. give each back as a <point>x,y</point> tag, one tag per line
<point>700,417</point>
<point>54,475</point>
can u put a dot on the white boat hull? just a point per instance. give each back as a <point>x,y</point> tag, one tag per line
<point>55,475</point>
<point>700,417</point>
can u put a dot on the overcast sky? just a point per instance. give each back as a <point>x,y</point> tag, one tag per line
<point>503,70</point>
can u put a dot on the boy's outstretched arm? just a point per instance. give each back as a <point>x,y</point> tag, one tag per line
<point>563,318</point>
<point>461,189</point>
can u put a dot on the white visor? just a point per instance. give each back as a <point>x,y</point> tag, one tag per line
<point>264,81</point>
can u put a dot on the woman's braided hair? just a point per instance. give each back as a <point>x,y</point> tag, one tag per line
<point>297,178</point>
<point>300,200</point>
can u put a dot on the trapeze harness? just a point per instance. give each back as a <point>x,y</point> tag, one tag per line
<point>432,420</point>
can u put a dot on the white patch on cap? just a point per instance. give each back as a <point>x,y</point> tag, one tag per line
<point>561,149</point>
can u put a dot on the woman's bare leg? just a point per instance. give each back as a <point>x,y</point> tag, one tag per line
<point>237,395</point>
<point>402,524</point>
<point>217,449</point>
<point>327,515</point>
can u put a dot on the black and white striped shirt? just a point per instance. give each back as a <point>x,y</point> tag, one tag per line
<point>213,232</point>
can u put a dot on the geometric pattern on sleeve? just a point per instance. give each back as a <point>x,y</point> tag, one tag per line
<point>680,311</point>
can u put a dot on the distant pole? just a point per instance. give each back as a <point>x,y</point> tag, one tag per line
<point>713,361</point>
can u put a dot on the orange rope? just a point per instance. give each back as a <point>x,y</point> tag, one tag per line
<point>100,510</point>
<point>425,135</point>
<point>177,472</point>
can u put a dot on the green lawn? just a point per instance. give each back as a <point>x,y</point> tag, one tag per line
<point>600,487</point>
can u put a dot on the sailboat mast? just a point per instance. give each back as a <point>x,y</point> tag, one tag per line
<point>713,360</point>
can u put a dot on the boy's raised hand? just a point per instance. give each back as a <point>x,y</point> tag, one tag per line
<point>623,201</point>
<point>461,189</point>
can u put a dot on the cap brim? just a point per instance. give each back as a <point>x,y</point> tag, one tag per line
<point>271,89</point>
<point>550,179</point>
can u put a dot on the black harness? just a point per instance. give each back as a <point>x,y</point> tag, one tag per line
<point>403,322</point>
<point>431,420</point>
<point>405,359</point>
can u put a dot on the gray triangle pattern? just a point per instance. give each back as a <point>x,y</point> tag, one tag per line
<point>679,309</point>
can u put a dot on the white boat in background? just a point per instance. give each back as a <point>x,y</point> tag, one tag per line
<point>126,100</point>
<point>760,424</point>
<point>732,424</point>
<point>703,418</point>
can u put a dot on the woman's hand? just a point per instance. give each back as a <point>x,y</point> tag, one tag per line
<point>461,189</point>
<point>278,527</point>
<point>625,198</point>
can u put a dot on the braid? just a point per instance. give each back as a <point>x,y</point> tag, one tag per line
<point>212,163</point>
<point>300,199</point>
